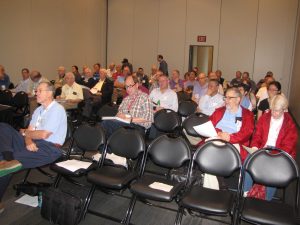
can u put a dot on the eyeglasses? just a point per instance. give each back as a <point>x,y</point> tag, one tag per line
<point>40,91</point>
<point>274,90</point>
<point>129,86</point>
<point>229,97</point>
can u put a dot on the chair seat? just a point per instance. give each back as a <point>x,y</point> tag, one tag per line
<point>265,212</point>
<point>111,177</point>
<point>142,189</point>
<point>64,172</point>
<point>208,201</point>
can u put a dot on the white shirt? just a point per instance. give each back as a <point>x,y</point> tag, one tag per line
<point>23,86</point>
<point>168,99</point>
<point>72,92</point>
<point>208,104</point>
<point>275,126</point>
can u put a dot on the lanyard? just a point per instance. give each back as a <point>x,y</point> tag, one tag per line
<point>42,113</point>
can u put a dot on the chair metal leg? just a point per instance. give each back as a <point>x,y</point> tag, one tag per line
<point>179,216</point>
<point>87,201</point>
<point>127,218</point>
<point>26,176</point>
<point>57,180</point>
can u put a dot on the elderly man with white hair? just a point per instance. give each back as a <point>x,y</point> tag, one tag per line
<point>71,91</point>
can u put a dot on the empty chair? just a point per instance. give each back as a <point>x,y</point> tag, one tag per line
<point>218,158</point>
<point>187,108</point>
<point>272,168</point>
<point>85,138</point>
<point>165,152</point>
<point>127,144</point>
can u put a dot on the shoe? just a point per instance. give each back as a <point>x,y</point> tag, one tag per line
<point>7,167</point>
<point>1,208</point>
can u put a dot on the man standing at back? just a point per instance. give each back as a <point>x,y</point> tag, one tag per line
<point>163,65</point>
<point>39,144</point>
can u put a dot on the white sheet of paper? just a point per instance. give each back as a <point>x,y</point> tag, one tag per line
<point>28,200</point>
<point>93,90</point>
<point>161,186</point>
<point>114,118</point>
<point>74,164</point>
<point>206,129</point>
<point>249,150</point>
<point>118,160</point>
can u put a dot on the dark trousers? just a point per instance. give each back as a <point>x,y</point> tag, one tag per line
<point>112,125</point>
<point>12,143</point>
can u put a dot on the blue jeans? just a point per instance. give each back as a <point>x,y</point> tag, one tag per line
<point>248,182</point>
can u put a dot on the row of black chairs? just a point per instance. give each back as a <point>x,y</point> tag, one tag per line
<point>216,157</point>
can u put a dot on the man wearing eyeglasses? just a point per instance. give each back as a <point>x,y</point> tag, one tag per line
<point>234,123</point>
<point>135,109</point>
<point>37,145</point>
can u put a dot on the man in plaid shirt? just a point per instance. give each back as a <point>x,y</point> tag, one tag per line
<point>135,109</point>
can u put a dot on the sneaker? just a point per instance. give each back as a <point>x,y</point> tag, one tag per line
<point>7,167</point>
<point>1,208</point>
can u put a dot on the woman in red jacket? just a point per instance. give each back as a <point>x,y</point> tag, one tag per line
<point>275,128</point>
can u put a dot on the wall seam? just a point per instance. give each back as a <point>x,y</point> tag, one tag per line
<point>185,34</point>
<point>219,38</point>
<point>255,42</point>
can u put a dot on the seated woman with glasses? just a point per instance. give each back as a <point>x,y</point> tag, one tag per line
<point>274,88</point>
<point>275,128</point>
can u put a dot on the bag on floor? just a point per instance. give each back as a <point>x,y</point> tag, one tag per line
<point>60,207</point>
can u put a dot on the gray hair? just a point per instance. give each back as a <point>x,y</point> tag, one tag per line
<point>50,87</point>
<point>236,91</point>
<point>279,102</point>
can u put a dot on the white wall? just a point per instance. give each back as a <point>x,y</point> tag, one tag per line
<point>249,35</point>
<point>45,34</point>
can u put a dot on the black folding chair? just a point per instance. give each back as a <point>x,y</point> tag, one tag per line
<point>165,152</point>
<point>218,158</point>
<point>270,167</point>
<point>187,108</point>
<point>85,138</point>
<point>6,97</point>
<point>21,112</point>
<point>124,142</point>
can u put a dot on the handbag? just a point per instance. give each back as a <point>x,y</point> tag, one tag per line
<point>60,207</point>
<point>257,191</point>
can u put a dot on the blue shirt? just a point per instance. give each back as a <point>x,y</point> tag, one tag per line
<point>53,119</point>
<point>245,102</point>
<point>5,81</point>
<point>200,90</point>
<point>231,122</point>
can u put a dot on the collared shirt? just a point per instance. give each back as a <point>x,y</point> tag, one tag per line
<point>231,122</point>
<point>53,119</point>
<point>208,104</point>
<point>72,92</point>
<point>199,90</point>
<point>173,84</point>
<point>138,105</point>
<point>168,99</point>
<point>23,86</point>
<point>275,126</point>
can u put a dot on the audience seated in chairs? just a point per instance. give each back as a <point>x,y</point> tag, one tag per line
<point>200,87</point>
<point>39,144</point>
<point>135,109</point>
<point>98,95</point>
<point>87,79</point>
<point>24,83</point>
<point>35,78</point>
<point>4,79</point>
<point>60,81</point>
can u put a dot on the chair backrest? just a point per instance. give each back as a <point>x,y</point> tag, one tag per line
<point>169,152</point>
<point>166,120</point>
<point>187,108</point>
<point>89,138</point>
<point>20,100</point>
<point>108,110</point>
<point>6,97</point>
<point>217,157</point>
<point>126,142</point>
<point>274,168</point>
<point>194,120</point>
<point>183,96</point>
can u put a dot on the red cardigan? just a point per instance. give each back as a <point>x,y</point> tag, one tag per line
<point>287,137</point>
<point>241,137</point>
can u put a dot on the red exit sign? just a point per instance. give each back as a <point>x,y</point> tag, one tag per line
<point>201,38</point>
